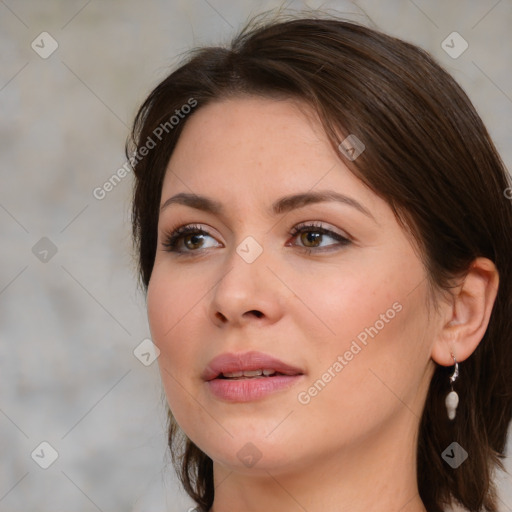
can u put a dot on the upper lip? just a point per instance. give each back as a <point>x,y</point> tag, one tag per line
<point>229,362</point>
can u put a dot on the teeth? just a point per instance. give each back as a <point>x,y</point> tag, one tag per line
<point>249,373</point>
<point>252,373</point>
<point>233,374</point>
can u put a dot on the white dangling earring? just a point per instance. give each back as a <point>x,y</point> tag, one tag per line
<point>452,398</point>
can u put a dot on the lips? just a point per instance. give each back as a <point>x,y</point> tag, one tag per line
<point>245,366</point>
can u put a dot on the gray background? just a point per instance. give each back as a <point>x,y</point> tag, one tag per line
<point>69,324</point>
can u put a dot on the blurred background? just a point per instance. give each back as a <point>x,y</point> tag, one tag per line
<point>82,412</point>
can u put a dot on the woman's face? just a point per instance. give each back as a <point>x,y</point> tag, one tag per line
<point>331,287</point>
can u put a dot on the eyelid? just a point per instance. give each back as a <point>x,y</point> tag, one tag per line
<point>189,226</point>
<point>323,226</point>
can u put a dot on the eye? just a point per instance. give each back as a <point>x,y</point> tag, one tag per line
<point>312,236</point>
<point>189,238</point>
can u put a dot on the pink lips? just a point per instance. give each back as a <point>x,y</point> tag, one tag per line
<point>247,389</point>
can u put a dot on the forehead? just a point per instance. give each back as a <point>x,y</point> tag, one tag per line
<point>254,150</point>
<point>245,137</point>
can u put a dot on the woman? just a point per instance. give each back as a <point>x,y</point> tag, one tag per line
<point>322,232</point>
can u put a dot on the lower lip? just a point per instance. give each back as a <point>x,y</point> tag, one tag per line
<point>246,390</point>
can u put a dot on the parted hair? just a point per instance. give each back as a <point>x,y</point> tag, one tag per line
<point>427,154</point>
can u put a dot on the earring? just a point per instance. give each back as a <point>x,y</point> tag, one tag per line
<point>452,398</point>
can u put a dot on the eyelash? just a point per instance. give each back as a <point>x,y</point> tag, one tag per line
<point>173,238</point>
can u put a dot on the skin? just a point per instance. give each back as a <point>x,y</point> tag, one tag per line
<point>352,447</point>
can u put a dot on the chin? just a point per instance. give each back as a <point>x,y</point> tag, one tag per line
<point>249,459</point>
<point>251,454</point>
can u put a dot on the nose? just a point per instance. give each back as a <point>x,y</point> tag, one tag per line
<point>246,293</point>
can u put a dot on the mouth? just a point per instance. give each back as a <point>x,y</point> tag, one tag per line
<point>249,376</point>
<point>247,365</point>
<point>252,374</point>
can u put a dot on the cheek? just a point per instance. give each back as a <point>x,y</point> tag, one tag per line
<point>170,306</point>
<point>378,357</point>
<point>170,301</point>
<point>171,311</point>
<point>340,302</point>
<point>161,304</point>
<point>375,318</point>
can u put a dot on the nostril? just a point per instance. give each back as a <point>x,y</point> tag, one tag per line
<point>221,317</point>
<point>224,319</point>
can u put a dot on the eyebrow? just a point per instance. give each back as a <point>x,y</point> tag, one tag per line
<point>282,205</point>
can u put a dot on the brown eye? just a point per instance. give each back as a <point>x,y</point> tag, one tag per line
<point>318,238</point>
<point>188,239</point>
<point>194,241</point>
<point>311,238</point>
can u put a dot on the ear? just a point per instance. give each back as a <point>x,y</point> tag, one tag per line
<point>466,318</point>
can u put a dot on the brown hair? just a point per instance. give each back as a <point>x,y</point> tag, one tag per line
<point>427,154</point>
